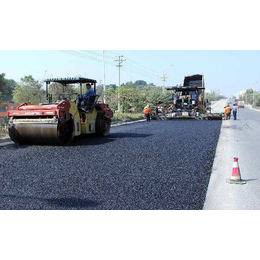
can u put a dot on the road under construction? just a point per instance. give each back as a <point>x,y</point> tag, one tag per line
<point>166,164</point>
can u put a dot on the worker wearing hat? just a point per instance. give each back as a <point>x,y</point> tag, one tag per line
<point>147,113</point>
<point>227,112</point>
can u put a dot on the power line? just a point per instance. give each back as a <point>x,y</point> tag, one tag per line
<point>130,65</point>
<point>136,66</point>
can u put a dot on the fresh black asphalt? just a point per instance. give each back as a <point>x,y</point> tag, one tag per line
<point>148,165</point>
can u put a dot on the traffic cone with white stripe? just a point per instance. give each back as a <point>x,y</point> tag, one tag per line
<point>235,177</point>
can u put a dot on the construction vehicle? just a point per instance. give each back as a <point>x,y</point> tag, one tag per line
<point>189,102</point>
<point>58,122</point>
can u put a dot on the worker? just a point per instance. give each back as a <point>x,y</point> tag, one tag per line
<point>227,112</point>
<point>194,97</point>
<point>175,98</point>
<point>147,113</point>
<point>157,110</point>
<point>89,93</point>
<point>235,111</point>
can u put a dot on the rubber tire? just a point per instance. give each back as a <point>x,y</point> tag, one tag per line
<point>103,125</point>
<point>69,138</point>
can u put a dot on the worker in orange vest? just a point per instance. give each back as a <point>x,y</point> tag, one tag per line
<point>147,113</point>
<point>227,112</point>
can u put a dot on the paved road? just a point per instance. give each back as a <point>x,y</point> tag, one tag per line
<point>218,106</point>
<point>240,139</point>
<point>156,165</point>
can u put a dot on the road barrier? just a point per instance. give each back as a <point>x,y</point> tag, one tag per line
<point>236,176</point>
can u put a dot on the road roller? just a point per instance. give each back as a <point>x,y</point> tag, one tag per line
<point>58,122</point>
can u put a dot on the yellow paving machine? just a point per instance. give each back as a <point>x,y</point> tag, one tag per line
<point>188,101</point>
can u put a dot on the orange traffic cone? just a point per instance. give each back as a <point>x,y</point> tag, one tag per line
<point>235,177</point>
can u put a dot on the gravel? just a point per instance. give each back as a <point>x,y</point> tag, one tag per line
<point>156,165</point>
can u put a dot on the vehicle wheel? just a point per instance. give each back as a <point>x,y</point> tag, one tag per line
<point>103,125</point>
<point>66,132</point>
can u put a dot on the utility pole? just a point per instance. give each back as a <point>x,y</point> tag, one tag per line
<point>164,76</point>
<point>104,77</point>
<point>119,65</point>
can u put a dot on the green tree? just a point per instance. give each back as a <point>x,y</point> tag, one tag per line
<point>140,83</point>
<point>213,96</point>
<point>128,98</point>
<point>28,90</point>
<point>257,99</point>
<point>249,96</point>
<point>111,98</point>
<point>129,84</point>
<point>57,89</point>
<point>2,86</point>
<point>10,84</point>
<point>111,86</point>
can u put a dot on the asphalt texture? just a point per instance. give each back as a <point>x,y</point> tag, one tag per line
<point>149,165</point>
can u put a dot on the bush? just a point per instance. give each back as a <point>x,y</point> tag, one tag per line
<point>124,117</point>
<point>3,130</point>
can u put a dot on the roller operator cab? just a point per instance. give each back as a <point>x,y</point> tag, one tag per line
<point>58,122</point>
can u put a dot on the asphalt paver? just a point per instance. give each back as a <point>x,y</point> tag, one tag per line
<point>162,165</point>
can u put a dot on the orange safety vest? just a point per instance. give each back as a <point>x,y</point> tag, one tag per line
<point>147,111</point>
<point>227,110</point>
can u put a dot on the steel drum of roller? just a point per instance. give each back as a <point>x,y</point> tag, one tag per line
<point>42,133</point>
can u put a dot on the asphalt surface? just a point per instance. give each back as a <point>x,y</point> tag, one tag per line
<point>239,138</point>
<point>156,165</point>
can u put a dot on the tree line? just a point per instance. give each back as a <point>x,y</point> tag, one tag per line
<point>133,96</point>
<point>213,96</point>
<point>251,97</point>
<point>6,88</point>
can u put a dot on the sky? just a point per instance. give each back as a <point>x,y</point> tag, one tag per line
<point>227,71</point>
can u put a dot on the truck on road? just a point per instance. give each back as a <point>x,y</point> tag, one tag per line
<point>241,104</point>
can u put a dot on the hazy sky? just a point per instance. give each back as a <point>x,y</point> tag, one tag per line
<point>228,71</point>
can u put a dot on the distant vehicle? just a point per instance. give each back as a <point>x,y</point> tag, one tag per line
<point>4,108</point>
<point>241,104</point>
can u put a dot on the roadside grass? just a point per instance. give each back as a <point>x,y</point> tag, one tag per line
<point>126,117</point>
<point>256,107</point>
<point>3,131</point>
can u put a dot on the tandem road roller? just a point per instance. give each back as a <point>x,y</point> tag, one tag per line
<point>56,123</point>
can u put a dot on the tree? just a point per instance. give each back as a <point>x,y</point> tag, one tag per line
<point>129,84</point>
<point>213,96</point>
<point>28,90</point>
<point>6,88</point>
<point>257,99</point>
<point>249,96</point>
<point>111,86</point>
<point>128,98</point>
<point>57,89</point>
<point>10,84</point>
<point>2,86</point>
<point>140,83</point>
